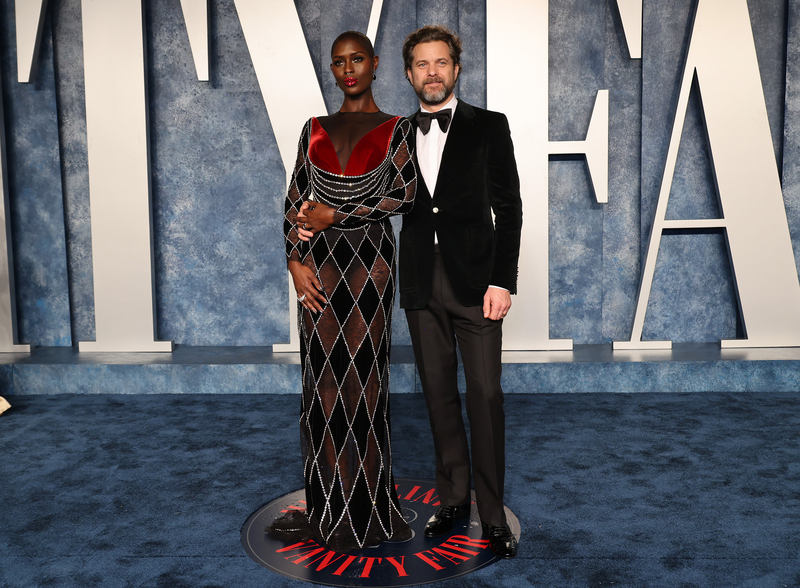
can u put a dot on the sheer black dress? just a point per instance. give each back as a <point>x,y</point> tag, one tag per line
<point>344,350</point>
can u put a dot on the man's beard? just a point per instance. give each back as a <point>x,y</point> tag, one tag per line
<point>431,97</point>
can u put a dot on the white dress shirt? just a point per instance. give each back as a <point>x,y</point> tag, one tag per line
<point>431,146</point>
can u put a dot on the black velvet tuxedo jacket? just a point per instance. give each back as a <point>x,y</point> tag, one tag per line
<point>477,177</point>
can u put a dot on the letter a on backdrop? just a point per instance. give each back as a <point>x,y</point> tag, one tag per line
<point>722,59</point>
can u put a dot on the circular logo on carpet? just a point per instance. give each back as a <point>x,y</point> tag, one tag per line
<point>419,560</point>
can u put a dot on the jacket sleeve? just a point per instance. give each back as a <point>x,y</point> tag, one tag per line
<point>400,183</point>
<point>506,203</point>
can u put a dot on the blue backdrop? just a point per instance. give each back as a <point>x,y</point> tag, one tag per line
<point>218,184</point>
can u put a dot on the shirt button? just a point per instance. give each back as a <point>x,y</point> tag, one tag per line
<point>435,210</point>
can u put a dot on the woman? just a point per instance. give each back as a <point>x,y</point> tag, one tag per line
<point>354,170</point>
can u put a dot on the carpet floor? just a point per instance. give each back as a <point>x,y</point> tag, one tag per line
<point>611,490</point>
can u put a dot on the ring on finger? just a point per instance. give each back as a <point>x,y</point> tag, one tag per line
<point>301,298</point>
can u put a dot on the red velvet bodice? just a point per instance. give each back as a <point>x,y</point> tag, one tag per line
<point>368,153</point>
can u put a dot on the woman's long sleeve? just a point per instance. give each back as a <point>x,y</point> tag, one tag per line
<point>299,191</point>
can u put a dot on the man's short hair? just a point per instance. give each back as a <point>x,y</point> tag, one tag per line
<point>429,34</point>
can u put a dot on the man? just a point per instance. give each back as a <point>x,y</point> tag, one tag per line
<point>458,269</point>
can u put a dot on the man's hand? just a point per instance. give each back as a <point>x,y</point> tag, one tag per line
<point>496,303</point>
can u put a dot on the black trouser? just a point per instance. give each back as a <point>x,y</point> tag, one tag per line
<point>434,331</point>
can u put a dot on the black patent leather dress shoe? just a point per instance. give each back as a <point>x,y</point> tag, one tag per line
<point>501,540</point>
<point>443,520</point>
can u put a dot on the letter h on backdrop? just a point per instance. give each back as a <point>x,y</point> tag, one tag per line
<point>721,58</point>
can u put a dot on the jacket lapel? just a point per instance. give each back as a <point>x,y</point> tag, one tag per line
<point>457,142</point>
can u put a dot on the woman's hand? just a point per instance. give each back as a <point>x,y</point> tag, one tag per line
<point>314,217</point>
<point>309,290</point>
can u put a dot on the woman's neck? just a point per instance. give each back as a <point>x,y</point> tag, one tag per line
<point>363,103</point>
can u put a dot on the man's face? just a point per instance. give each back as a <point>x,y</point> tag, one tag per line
<point>433,73</point>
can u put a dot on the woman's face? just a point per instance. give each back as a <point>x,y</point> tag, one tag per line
<point>352,66</point>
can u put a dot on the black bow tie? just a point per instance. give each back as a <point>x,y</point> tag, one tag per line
<point>443,116</point>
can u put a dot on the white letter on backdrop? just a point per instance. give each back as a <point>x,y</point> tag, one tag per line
<point>8,311</point>
<point>630,13</point>
<point>272,30</point>
<point>29,15</point>
<point>722,58</point>
<point>119,177</point>
<point>195,15</point>
<point>521,28</point>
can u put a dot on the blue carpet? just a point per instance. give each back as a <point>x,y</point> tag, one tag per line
<point>663,490</point>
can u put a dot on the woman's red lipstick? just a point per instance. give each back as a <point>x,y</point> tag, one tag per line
<point>350,82</point>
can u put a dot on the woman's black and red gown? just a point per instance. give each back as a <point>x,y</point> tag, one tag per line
<point>344,350</point>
